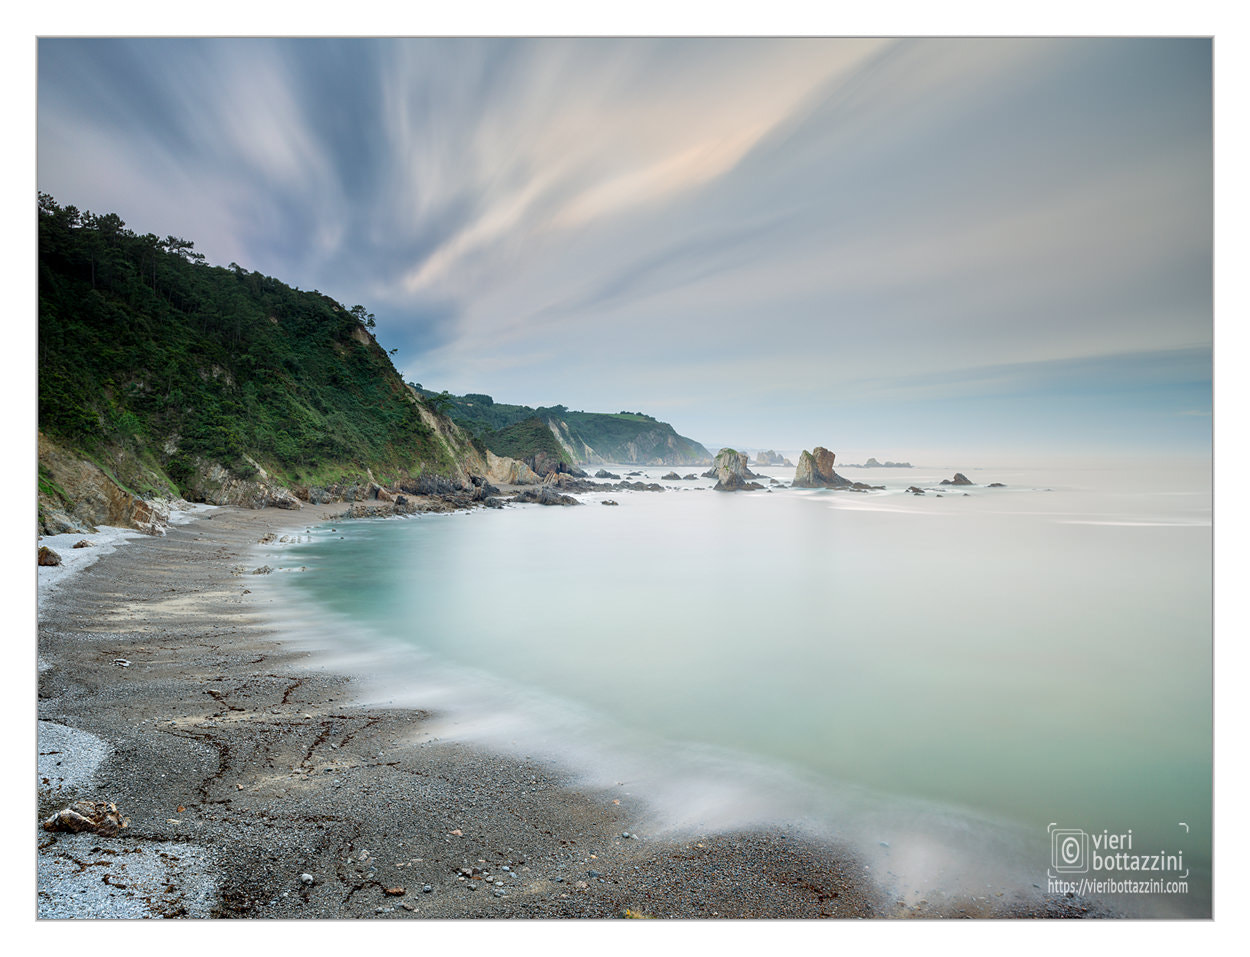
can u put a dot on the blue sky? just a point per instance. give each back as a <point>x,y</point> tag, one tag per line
<point>896,248</point>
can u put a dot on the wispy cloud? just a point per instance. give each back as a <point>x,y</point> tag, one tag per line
<point>806,222</point>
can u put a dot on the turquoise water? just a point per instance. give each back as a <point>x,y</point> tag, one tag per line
<point>935,680</point>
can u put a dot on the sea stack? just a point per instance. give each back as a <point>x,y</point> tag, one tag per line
<point>731,472</point>
<point>815,470</point>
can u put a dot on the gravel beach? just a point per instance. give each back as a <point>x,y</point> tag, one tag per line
<point>254,788</point>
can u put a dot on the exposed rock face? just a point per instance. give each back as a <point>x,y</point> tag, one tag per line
<point>93,498</point>
<point>501,470</point>
<point>815,470</point>
<point>216,485</point>
<point>731,472</point>
<point>959,479</point>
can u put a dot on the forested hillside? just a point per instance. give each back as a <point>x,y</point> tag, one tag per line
<point>584,437</point>
<point>159,369</point>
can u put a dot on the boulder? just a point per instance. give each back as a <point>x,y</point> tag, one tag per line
<point>815,470</point>
<point>545,496</point>
<point>959,479</point>
<point>47,556</point>
<point>605,474</point>
<point>670,477</point>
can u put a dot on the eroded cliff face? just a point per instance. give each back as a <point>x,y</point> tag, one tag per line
<point>76,495</point>
<point>501,470</point>
<point>466,459</point>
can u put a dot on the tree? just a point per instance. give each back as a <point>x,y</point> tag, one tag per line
<point>358,313</point>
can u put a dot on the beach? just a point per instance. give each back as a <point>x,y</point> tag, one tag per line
<point>255,789</point>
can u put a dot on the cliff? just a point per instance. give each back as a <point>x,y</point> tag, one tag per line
<point>583,438</point>
<point>161,377</point>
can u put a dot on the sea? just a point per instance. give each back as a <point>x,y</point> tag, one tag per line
<point>987,693</point>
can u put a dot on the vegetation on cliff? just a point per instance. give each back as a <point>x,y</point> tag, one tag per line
<point>155,366</point>
<point>584,437</point>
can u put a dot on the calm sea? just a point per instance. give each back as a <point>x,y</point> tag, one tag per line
<point>942,682</point>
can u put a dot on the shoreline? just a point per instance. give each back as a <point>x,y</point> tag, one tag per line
<point>246,771</point>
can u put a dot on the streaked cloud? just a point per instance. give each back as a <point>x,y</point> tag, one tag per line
<point>748,236</point>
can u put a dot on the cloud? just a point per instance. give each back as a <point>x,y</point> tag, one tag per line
<point>618,220</point>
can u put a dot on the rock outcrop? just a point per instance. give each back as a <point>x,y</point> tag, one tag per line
<point>959,479</point>
<point>76,495</point>
<point>501,470</point>
<point>544,496</point>
<point>731,472</point>
<point>815,470</point>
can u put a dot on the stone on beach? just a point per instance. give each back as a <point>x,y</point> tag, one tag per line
<point>98,817</point>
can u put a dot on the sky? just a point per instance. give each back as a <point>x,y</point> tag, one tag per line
<point>900,248</point>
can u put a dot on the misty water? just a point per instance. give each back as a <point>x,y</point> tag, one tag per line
<point>931,680</point>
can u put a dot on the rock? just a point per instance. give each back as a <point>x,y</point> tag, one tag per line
<point>914,490</point>
<point>608,501</point>
<point>605,474</point>
<point>427,889</point>
<point>773,458</point>
<point>502,470</point>
<point>396,891</point>
<point>731,472</point>
<point>670,477</point>
<point>47,556</point>
<point>83,543</point>
<point>959,479</point>
<point>991,485</point>
<point>689,478</point>
<point>307,879</point>
<point>263,570</point>
<point>267,538</point>
<point>97,817</point>
<point>544,496</point>
<point>815,470</point>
